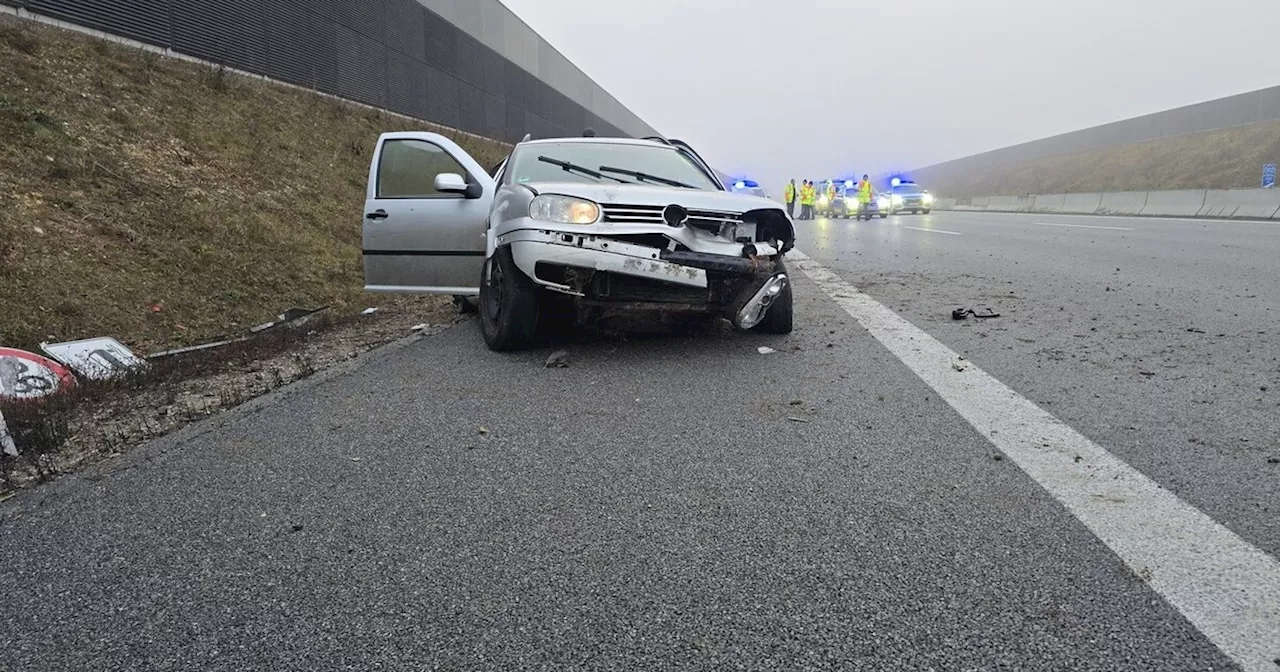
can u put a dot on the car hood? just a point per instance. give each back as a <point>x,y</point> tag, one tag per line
<point>634,194</point>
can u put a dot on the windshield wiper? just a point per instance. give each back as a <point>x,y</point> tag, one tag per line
<point>573,167</point>
<point>646,177</point>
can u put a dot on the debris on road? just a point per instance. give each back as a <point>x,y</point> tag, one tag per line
<point>1195,331</point>
<point>558,360</point>
<point>96,358</point>
<point>484,431</point>
<point>793,418</point>
<point>765,350</point>
<point>368,311</point>
<point>419,327</point>
<point>962,313</point>
<point>960,364</point>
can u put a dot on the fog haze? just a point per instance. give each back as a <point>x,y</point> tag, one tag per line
<point>772,89</point>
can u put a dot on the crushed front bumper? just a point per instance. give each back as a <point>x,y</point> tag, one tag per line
<point>529,248</point>
<point>605,271</point>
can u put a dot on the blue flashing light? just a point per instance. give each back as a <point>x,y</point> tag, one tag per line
<point>848,184</point>
<point>896,182</point>
<point>739,185</point>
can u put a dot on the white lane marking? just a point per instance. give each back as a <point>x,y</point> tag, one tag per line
<point>1227,588</point>
<point>1084,226</point>
<point>919,228</point>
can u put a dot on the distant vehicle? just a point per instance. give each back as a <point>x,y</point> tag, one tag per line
<point>879,205</point>
<point>825,206</point>
<point>750,187</point>
<point>909,197</point>
<point>582,229</point>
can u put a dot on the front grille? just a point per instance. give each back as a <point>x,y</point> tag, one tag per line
<point>711,220</point>
<point>633,214</point>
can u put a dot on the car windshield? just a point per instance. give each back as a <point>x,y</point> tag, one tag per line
<point>659,165</point>
<point>907,189</point>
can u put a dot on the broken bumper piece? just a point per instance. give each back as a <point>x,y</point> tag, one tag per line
<point>529,248</point>
<point>757,306</point>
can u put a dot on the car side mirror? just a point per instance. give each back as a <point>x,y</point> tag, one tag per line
<point>473,191</point>
<point>451,183</point>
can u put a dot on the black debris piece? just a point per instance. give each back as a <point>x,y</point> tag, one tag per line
<point>962,313</point>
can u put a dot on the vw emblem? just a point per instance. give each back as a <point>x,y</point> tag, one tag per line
<point>675,215</point>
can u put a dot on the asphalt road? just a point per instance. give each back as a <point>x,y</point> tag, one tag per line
<point>684,502</point>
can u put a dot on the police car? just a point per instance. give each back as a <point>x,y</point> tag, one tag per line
<point>750,187</point>
<point>826,206</point>
<point>906,196</point>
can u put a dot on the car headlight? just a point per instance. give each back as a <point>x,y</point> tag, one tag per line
<point>882,203</point>
<point>823,200</point>
<point>928,198</point>
<point>897,200</point>
<point>851,204</point>
<point>564,210</point>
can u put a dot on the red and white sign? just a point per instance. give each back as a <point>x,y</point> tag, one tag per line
<point>26,375</point>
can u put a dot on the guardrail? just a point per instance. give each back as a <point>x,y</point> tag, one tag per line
<point>1207,203</point>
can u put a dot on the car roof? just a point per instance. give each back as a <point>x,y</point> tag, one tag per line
<point>598,141</point>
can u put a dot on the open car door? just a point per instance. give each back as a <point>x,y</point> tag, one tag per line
<point>426,215</point>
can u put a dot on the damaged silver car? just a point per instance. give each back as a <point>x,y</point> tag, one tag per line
<point>573,229</point>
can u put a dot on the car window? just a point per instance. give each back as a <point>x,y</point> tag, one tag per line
<point>408,169</point>
<point>906,189</point>
<point>656,160</point>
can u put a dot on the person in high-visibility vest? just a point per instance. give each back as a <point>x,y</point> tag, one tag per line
<point>831,196</point>
<point>807,197</point>
<point>790,194</point>
<point>864,197</point>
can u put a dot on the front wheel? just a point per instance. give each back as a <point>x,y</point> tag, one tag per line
<point>884,216</point>
<point>925,211</point>
<point>508,303</point>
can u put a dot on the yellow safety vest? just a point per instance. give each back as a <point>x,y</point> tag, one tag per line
<point>790,193</point>
<point>807,195</point>
<point>864,191</point>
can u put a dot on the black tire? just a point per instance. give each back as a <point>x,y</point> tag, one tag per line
<point>780,316</point>
<point>924,212</point>
<point>508,304</point>
<point>884,216</point>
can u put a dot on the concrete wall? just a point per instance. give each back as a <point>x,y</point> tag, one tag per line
<point>501,30</point>
<point>1174,203</point>
<point>466,64</point>
<point>1245,108</point>
<point>1212,203</point>
<point>1085,204</point>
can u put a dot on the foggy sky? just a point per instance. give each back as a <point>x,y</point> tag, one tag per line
<point>774,89</point>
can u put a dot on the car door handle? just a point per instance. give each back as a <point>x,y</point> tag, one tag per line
<point>376,214</point>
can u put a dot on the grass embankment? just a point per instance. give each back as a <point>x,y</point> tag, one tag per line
<point>1222,159</point>
<point>130,181</point>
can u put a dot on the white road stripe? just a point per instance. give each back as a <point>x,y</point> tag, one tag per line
<point>1227,588</point>
<point>1084,226</point>
<point>918,228</point>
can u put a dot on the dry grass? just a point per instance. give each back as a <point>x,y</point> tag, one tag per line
<point>129,180</point>
<point>1226,158</point>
